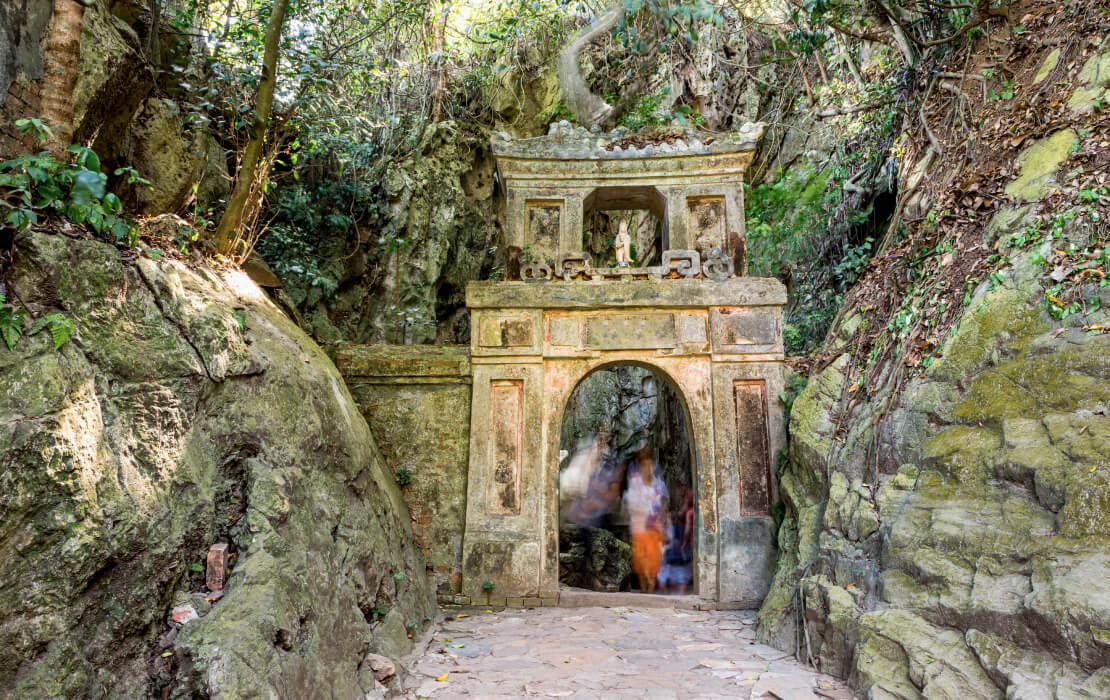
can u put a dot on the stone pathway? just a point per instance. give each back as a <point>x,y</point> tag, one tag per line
<point>610,653</point>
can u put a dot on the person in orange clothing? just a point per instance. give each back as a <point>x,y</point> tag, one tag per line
<point>645,500</point>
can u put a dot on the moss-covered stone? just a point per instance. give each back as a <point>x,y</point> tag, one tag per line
<point>905,656</point>
<point>1047,66</point>
<point>159,429</point>
<point>1094,85</point>
<point>1039,164</point>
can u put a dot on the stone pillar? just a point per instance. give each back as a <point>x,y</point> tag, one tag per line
<point>678,238</point>
<point>502,543</point>
<point>748,429</point>
<point>736,235</point>
<point>570,237</point>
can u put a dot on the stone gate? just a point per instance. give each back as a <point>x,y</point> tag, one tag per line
<point>712,333</point>
<point>717,343</point>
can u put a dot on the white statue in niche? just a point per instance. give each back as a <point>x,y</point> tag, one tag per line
<point>623,245</point>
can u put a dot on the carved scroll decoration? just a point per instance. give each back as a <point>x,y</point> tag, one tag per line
<point>573,265</point>
<point>685,263</point>
<point>717,266</point>
<point>536,271</point>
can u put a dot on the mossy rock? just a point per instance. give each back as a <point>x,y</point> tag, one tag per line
<point>1039,164</point>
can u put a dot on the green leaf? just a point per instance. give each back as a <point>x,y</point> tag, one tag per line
<point>241,319</point>
<point>11,334</point>
<point>86,158</point>
<point>87,186</point>
<point>111,204</point>
<point>60,325</point>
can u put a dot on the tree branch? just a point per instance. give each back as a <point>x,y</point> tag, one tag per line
<point>587,107</point>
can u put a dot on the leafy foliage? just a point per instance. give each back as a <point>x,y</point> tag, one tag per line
<point>13,321</point>
<point>34,184</point>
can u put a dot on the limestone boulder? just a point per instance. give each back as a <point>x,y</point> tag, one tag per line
<point>157,147</point>
<point>593,558</point>
<point>950,539</point>
<point>188,410</point>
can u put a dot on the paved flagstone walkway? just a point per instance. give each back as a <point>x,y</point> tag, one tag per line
<point>610,653</point>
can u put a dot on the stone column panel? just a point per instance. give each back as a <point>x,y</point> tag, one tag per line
<point>517,332</point>
<point>514,217</point>
<point>706,223</point>
<point>501,543</point>
<point>570,235</point>
<point>748,430</point>
<point>506,414</point>
<point>752,453</point>
<point>678,237</point>
<point>544,224</point>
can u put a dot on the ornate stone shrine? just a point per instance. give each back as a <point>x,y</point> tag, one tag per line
<point>714,334</point>
<point>484,492</point>
<point>691,182</point>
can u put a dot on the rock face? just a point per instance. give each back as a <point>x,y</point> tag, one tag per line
<point>952,538</point>
<point>594,558</point>
<point>401,277</point>
<point>187,411</point>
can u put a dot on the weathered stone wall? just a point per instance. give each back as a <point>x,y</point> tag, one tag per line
<point>187,410</point>
<point>416,399</point>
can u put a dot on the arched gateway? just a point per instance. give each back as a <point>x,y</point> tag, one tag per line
<point>716,336</point>
<point>719,342</point>
<point>694,319</point>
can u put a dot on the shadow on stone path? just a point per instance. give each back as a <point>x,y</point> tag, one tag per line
<point>610,653</point>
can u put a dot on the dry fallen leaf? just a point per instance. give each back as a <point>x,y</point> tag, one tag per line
<point>461,616</point>
<point>444,677</point>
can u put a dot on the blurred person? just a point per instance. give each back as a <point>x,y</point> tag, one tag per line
<point>645,500</point>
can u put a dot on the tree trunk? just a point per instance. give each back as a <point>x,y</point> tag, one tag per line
<point>154,46</point>
<point>439,48</point>
<point>62,64</point>
<point>588,108</point>
<point>232,219</point>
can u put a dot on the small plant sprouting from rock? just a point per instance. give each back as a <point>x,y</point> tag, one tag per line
<point>379,610</point>
<point>13,319</point>
<point>399,576</point>
<point>404,476</point>
<point>796,384</point>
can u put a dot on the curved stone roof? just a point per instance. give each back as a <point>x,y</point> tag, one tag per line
<point>566,142</point>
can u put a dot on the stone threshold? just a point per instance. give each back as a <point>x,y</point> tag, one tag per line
<point>582,598</point>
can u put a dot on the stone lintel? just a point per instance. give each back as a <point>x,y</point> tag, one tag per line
<point>655,294</point>
<point>404,363</point>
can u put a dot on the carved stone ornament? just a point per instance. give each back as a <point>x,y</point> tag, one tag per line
<point>717,266</point>
<point>536,271</point>
<point>571,265</point>
<point>685,263</point>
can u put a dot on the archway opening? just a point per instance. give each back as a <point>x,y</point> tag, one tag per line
<point>626,488</point>
<point>643,210</point>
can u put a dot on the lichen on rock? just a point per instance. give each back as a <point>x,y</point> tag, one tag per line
<point>165,426</point>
